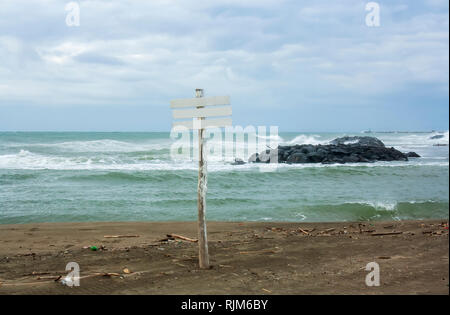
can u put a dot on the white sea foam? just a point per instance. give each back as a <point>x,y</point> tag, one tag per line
<point>381,205</point>
<point>415,140</point>
<point>104,145</point>
<point>307,139</point>
<point>114,155</point>
<point>27,160</point>
<point>274,138</point>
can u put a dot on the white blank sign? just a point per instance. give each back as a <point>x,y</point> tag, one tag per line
<point>202,112</point>
<point>203,124</point>
<point>200,101</point>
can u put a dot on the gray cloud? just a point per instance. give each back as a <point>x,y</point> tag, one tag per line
<point>264,52</point>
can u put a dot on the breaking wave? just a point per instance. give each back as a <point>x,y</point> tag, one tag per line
<point>307,139</point>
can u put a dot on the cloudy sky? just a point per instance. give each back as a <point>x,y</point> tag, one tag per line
<point>300,65</point>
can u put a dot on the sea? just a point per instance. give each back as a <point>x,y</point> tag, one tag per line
<point>126,176</point>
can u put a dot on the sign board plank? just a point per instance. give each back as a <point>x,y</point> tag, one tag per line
<point>202,112</point>
<point>200,101</point>
<point>203,124</point>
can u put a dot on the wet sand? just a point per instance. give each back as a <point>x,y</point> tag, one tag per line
<point>247,258</point>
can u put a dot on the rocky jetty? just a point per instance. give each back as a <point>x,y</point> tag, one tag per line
<point>340,150</point>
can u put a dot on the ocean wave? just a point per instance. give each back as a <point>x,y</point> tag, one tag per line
<point>395,139</point>
<point>414,140</point>
<point>374,211</point>
<point>307,139</point>
<point>33,161</point>
<point>134,176</point>
<point>276,138</point>
<point>380,205</point>
<point>105,145</point>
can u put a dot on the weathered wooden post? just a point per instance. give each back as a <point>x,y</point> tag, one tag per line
<point>203,255</point>
<point>198,122</point>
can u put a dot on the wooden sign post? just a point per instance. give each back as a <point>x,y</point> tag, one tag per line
<point>198,122</point>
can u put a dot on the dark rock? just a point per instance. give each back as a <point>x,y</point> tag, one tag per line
<point>353,158</point>
<point>315,157</point>
<point>412,155</point>
<point>238,161</point>
<point>306,149</point>
<point>297,158</point>
<point>360,141</point>
<point>268,156</point>
<point>341,150</point>
<point>437,137</point>
<point>254,158</point>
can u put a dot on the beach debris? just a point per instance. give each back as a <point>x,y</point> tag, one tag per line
<point>127,271</point>
<point>275,229</point>
<point>120,236</point>
<point>111,274</point>
<point>55,278</point>
<point>303,231</point>
<point>181,265</point>
<point>167,239</point>
<point>268,291</point>
<point>184,238</point>
<point>95,248</point>
<point>36,273</point>
<point>225,266</point>
<point>328,231</point>
<point>67,282</point>
<point>276,250</point>
<point>167,273</point>
<point>386,233</point>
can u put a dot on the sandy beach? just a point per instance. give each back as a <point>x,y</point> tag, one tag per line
<point>247,258</point>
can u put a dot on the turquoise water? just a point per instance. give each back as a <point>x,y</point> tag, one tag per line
<point>60,177</point>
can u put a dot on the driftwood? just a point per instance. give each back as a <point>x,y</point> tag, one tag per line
<point>184,238</point>
<point>108,274</point>
<point>303,231</point>
<point>386,233</point>
<point>120,236</point>
<point>263,251</point>
<point>54,278</point>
